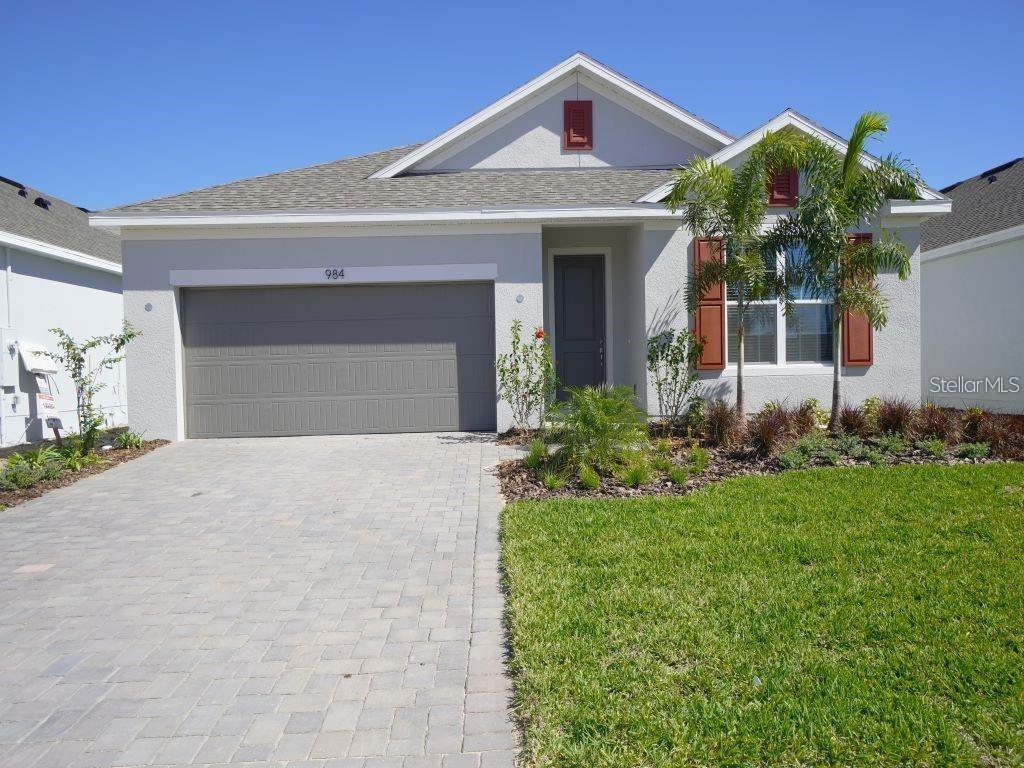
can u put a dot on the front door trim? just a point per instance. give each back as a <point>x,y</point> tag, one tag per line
<point>549,293</point>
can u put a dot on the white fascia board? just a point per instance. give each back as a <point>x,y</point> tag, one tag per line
<point>417,273</point>
<point>577,62</point>
<point>378,217</point>
<point>56,252</point>
<point>974,243</point>
<point>788,119</point>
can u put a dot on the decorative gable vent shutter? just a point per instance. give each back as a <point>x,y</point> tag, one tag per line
<point>709,322</point>
<point>578,131</point>
<point>858,342</point>
<point>784,188</point>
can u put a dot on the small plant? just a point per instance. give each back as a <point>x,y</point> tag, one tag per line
<point>75,356</point>
<point>974,419</point>
<point>40,457</point>
<point>853,421</point>
<point>933,448</point>
<point>769,430</point>
<point>552,480</point>
<point>129,439</point>
<point>810,444</point>
<point>526,378</point>
<point>636,474</point>
<point>678,475</point>
<point>661,463</point>
<point>672,358</point>
<point>849,445</point>
<point>536,455</point>
<point>870,407</point>
<point>792,459</point>
<point>663,447</point>
<point>699,459</point>
<point>895,416</point>
<point>807,417</point>
<point>1004,435</point>
<point>600,428</point>
<point>872,456</point>
<point>937,423</point>
<point>972,450</point>
<point>830,456</point>
<point>589,479</point>
<point>891,444</point>
<point>721,423</point>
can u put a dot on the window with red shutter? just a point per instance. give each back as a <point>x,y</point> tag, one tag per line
<point>784,188</point>
<point>578,130</point>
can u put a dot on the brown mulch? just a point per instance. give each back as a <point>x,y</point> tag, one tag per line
<point>519,482</point>
<point>111,459</point>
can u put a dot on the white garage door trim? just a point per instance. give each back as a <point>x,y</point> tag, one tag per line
<point>337,273</point>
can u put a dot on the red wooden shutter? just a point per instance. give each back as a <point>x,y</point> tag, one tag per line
<point>578,130</point>
<point>784,188</point>
<point>709,322</point>
<point>858,341</point>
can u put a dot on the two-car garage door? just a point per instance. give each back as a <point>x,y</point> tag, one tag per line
<point>339,359</point>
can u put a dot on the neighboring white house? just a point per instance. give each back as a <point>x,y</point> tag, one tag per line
<point>56,272</point>
<point>972,274</point>
<point>372,293</point>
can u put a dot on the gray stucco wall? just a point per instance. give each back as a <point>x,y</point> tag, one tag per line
<point>533,139</point>
<point>154,361</point>
<point>973,328</point>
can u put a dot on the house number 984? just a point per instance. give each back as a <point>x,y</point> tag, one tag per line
<point>334,274</point>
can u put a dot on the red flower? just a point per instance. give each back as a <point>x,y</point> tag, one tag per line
<point>539,333</point>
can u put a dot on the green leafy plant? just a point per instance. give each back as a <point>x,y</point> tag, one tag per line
<point>891,443</point>
<point>75,356</point>
<point>129,439</point>
<point>829,455</point>
<point>792,459</point>
<point>728,207</point>
<point>934,448</point>
<point>636,474</point>
<point>839,194</point>
<point>552,480</point>
<point>809,445</point>
<point>972,450</point>
<point>678,475</point>
<point>41,456</point>
<point>589,479</point>
<point>870,407</point>
<point>599,427</point>
<point>536,455</point>
<point>663,447</point>
<point>661,463</point>
<point>526,378</point>
<point>872,456</point>
<point>672,358</point>
<point>849,445</point>
<point>699,459</point>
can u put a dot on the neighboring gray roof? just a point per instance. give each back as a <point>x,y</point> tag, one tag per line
<point>62,224</point>
<point>986,203</point>
<point>344,184</point>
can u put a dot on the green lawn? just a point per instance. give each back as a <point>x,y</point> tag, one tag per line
<point>861,616</point>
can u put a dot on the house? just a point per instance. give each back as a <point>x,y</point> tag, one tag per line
<point>57,271</point>
<point>972,267</point>
<point>371,294</point>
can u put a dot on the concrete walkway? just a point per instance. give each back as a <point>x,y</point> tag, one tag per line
<point>321,601</point>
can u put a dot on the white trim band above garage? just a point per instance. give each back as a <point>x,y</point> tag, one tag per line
<point>328,274</point>
<point>56,252</point>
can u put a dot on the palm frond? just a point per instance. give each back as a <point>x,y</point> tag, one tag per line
<point>868,125</point>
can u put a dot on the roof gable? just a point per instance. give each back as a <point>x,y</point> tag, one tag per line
<point>793,120</point>
<point>578,70</point>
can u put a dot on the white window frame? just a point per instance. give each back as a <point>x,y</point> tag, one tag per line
<point>780,367</point>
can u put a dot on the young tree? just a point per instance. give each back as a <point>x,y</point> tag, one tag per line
<point>719,202</point>
<point>526,377</point>
<point>671,360</point>
<point>74,356</point>
<point>842,193</point>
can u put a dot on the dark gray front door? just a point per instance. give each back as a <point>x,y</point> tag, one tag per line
<point>339,359</point>
<point>579,321</point>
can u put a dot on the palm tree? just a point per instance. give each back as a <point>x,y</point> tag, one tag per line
<point>843,193</point>
<point>722,203</point>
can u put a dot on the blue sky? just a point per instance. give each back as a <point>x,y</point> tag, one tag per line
<point>112,102</point>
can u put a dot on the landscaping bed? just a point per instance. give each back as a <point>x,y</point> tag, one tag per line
<point>850,616</point>
<point>47,467</point>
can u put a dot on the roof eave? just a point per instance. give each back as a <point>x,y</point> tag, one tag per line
<point>57,252</point>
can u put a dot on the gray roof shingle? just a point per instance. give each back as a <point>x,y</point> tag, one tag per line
<point>989,202</point>
<point>344,184</point>
<point>62,224</point>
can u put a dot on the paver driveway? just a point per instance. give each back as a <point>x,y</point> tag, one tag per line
<point>275,601</point>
